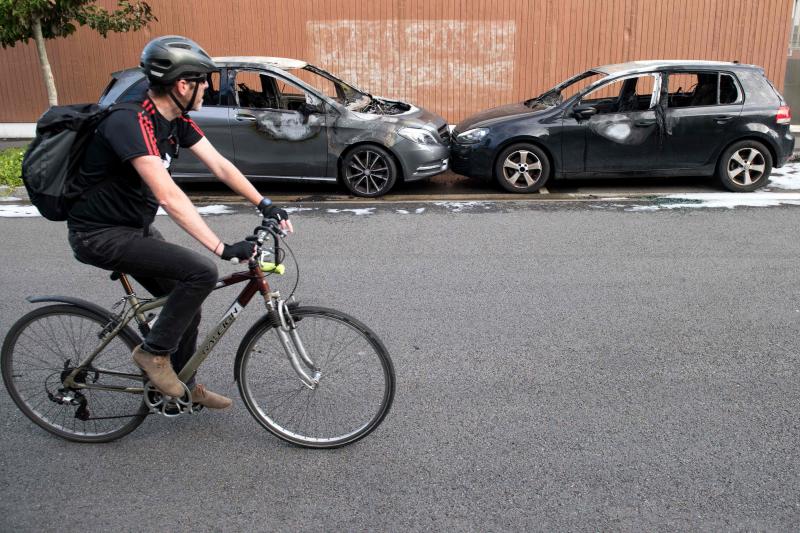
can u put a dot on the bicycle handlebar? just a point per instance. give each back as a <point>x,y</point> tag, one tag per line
<point>269,226</point>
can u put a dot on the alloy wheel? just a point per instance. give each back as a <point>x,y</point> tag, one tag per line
<point>522,165</point>
<point>746,166</point>
<point>367,172</point>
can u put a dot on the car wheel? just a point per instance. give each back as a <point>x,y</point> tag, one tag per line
<point>522,168</point>
<point>368,171</point>
<point>744,166</point>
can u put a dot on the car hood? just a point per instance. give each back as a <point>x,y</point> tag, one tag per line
<point>498,114</point>
<point>404,114</point>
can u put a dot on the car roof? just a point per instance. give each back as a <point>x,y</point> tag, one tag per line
<point>636,66</point>
<point>278,62</point>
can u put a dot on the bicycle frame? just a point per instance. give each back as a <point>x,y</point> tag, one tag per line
<point>256,283</point>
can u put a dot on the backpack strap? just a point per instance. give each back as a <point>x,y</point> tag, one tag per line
<point>130,106</point>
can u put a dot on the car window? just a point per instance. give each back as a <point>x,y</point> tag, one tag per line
<point>320,83</point>
<point>254,90</point>
<point>136,92</point>
<point>696,89</point>
<point>211,94</point>
<point>291,97</point>
<point>728,90</point>
<point>624,95</point>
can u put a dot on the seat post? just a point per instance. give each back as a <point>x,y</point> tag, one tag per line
<point>126,284</point>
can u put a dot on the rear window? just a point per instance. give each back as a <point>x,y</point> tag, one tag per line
<point>702,88</point>
<point>136,92</point>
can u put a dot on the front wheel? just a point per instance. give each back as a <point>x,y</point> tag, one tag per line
<point>355,389</point>
<point>368,171</point>
<point>522,168</point>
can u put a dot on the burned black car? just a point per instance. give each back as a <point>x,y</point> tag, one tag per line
<point>649,118</point>
<point>284,119</point>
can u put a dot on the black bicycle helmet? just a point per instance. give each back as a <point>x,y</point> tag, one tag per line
<point>170,58</point>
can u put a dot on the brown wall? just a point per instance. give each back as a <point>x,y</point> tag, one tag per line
<point>454,57</point>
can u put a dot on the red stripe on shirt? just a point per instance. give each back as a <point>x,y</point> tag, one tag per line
<point>147,135</point>
<point>192,124</point>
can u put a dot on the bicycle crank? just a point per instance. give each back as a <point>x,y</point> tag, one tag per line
<point>168,406</point>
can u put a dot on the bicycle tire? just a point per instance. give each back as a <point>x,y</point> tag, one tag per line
<point>29,385</point>
<point>263,356</point>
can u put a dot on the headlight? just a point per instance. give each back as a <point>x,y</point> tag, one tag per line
<point>418,135</point>
<point>472,136</point>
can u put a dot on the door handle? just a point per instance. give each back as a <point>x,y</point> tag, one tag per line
<point>644,123</point>
<point>245,117</point>
<point>723,118</point>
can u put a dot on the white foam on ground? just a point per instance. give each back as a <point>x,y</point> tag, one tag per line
<point>205,210</point>
<point>18,211</point>
<point>298,209</point>
<point>10,199</point>
<point>215,210</point>
<point>457,207</point>
<point>417,211</point>
<point>722,199</point>
<point>358,212</point>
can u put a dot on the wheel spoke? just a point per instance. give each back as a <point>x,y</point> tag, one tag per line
<point>752,155</point>
<point>536,166</point>
<point>747,178</point>
<point>738,158</point>
<point>735,172</point>
<point>523,156</point>
<point>758,168</point>
<point>530,181</point>
<point>359,163</point>
<point>513,179</point>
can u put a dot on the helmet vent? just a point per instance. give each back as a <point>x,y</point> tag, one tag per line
<point>180,45</point>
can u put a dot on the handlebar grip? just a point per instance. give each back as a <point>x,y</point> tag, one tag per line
<point>234,260</point>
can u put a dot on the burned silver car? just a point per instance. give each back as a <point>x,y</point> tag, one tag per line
<point>284,119</point>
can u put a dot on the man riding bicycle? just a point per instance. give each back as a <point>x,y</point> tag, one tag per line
<point>125,176</point>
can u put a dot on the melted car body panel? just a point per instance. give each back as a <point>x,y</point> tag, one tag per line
<point>288,125</point>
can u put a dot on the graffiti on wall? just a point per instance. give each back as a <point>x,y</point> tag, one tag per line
<point>411,59</point>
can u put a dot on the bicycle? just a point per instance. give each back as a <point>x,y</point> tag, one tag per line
<point>328,381</point>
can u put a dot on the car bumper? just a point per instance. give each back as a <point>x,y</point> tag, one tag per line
<point>786,148</point>
<point>471,160</point>
<point>422,160</point>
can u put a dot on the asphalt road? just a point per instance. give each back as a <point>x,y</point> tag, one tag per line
<point>560,367</point>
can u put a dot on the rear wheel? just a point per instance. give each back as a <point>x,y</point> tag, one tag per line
<point>354,393</point>
<point>745,166</point>
<point>368,171</point>
<point>522,168</point>
<point>45,346</point>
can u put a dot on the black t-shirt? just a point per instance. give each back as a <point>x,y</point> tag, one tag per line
<point>116,194</point>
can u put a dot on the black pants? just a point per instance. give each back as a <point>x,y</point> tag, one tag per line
<point>162,268</point>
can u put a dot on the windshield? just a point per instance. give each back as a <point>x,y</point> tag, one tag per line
<point>332,87</point>
<point>566,89</point>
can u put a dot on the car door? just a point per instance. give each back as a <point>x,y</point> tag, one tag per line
<point>214,120</point>
<point>278,128</point>
<point>623,134</point>
<point>701,108</point>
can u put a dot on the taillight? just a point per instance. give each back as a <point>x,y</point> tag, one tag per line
<point>784,115</point>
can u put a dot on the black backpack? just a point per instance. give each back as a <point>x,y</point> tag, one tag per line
<point>53,160</point>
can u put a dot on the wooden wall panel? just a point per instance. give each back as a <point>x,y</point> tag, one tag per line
<point>454,57</point>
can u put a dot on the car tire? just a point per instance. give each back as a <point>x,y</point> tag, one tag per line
<point>522,168</point>
<point>368,171</point>
<point>744,166</point>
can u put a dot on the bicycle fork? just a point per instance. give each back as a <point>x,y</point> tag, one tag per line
<point>286,329</point>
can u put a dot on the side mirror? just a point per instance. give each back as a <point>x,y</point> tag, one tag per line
<point>584,111</point>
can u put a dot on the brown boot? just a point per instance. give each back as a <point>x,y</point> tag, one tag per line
<point>212,400</point>
<point>159,369</point>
